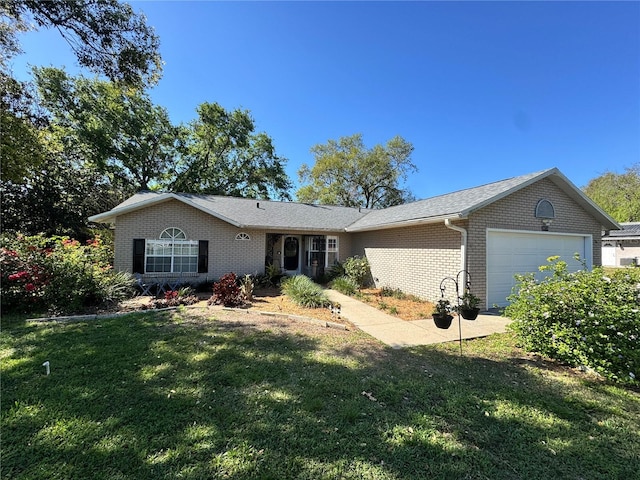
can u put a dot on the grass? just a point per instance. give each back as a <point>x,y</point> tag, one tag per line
<point>174,395</point>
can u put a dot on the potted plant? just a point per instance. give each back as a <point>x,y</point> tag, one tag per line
<point>442,313</point>
<point>469,308</point>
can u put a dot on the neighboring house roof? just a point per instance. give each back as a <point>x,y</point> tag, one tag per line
<point>248,213</point>
<point>265,214</point>
<point>462,203</point>
<point>630,231</point>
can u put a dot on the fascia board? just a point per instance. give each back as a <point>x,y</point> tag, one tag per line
<point>605,220</point>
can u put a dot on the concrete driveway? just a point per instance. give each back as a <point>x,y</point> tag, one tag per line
<point>399,333</point>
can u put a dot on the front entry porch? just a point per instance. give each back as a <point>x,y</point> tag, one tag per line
<point>296,254</point>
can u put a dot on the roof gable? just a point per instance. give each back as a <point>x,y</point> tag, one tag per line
<point>462,203</point>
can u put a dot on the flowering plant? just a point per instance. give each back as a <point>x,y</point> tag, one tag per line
<point>58,274</point>
<point>584,318</point>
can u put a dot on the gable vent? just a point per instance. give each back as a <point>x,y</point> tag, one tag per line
<point>545,209</point>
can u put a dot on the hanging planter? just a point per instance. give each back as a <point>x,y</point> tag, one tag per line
<point>442,321</point>
<point>442,314</point>
<point>469,305</point>
<point>469,313</point>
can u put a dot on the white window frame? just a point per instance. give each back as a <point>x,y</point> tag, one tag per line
<point>172,244</point>
<point>243,236</point>
<point>330,246</point>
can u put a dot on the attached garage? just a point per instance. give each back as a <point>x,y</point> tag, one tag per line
<point>510,252</point>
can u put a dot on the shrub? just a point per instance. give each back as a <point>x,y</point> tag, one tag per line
<point>345,285</point>
<point>393,293</point>
<point>246,288</point>
<point>358,269</point>
<point>303,291</point>
<point>58,274</point>
<point>583,318</point>
<point>175,298</point>
<point>226,291</point>
<point>336,271</point>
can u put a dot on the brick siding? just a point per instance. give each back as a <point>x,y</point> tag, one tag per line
<point>416,259</point>
<point>226,254</point>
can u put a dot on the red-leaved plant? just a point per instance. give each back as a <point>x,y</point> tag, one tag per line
<point>226,291</point>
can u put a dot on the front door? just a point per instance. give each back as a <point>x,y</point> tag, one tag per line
<point>291,255</point>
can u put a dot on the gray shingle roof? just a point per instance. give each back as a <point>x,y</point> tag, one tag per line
<point>290,216</point>
<point>630,230</point>
<point>249,213</point>
<point>451,205</point>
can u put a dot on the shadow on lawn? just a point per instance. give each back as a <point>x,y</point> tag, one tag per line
<point>154,397</point>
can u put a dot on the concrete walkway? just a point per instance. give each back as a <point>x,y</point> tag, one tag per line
<point>399,333</point>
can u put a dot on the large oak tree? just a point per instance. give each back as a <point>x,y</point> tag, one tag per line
<point>225,156</point>
<point>107,37</point>
<point>348,173</point>
<point>126,137</point>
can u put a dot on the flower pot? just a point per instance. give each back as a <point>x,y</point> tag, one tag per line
<point>442,321</point>
<point>469,313</point>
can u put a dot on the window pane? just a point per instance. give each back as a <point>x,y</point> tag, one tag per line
<point>158,264</point>
<point>185,264</point>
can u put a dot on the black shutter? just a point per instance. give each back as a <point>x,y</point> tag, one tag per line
<point>138,255</point>
<point>203,256</point>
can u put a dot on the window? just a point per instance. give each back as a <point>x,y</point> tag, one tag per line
<point>332,250</point>
<point>545,209</point>
<point>322,249</point>
<point>172,253</point>
<point>243,236</point>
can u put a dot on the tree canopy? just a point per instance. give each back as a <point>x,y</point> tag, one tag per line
<point>618,194</point>
<point>107,36</point>
<point>225,157</point>
<point>348,173</point>
<point>126,137</point>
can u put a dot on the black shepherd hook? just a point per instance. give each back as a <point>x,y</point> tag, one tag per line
<point>456,282</point>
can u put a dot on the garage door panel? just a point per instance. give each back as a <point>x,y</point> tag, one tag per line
<point>509,253</point>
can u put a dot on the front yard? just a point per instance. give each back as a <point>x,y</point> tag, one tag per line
<point>196,394</point>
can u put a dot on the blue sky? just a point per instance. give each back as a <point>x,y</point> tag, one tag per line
<point>483,90</point>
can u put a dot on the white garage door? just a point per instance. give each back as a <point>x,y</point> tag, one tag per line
<point>510,252</point>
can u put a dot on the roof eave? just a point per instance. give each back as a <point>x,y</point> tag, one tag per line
<point>605,220</point>
<point>406,223</point>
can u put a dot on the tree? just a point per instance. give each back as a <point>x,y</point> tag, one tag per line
<point>58,196</point>
<point>107,36</point>
<point>347,173</point>
<point>618,194</point>
<point>21,148</point>
<point>125,135</point>
<point>225,157</point>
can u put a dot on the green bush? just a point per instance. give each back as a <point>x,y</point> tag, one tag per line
<point>303,291</point>
<point>358,269</point>
<point>584,318</point>
<point>345,285</point>
<point>58,274</point>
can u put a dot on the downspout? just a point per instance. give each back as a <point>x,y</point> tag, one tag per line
<point>463,254</point>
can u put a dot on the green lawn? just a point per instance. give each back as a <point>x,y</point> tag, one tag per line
<point>168,395</point>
